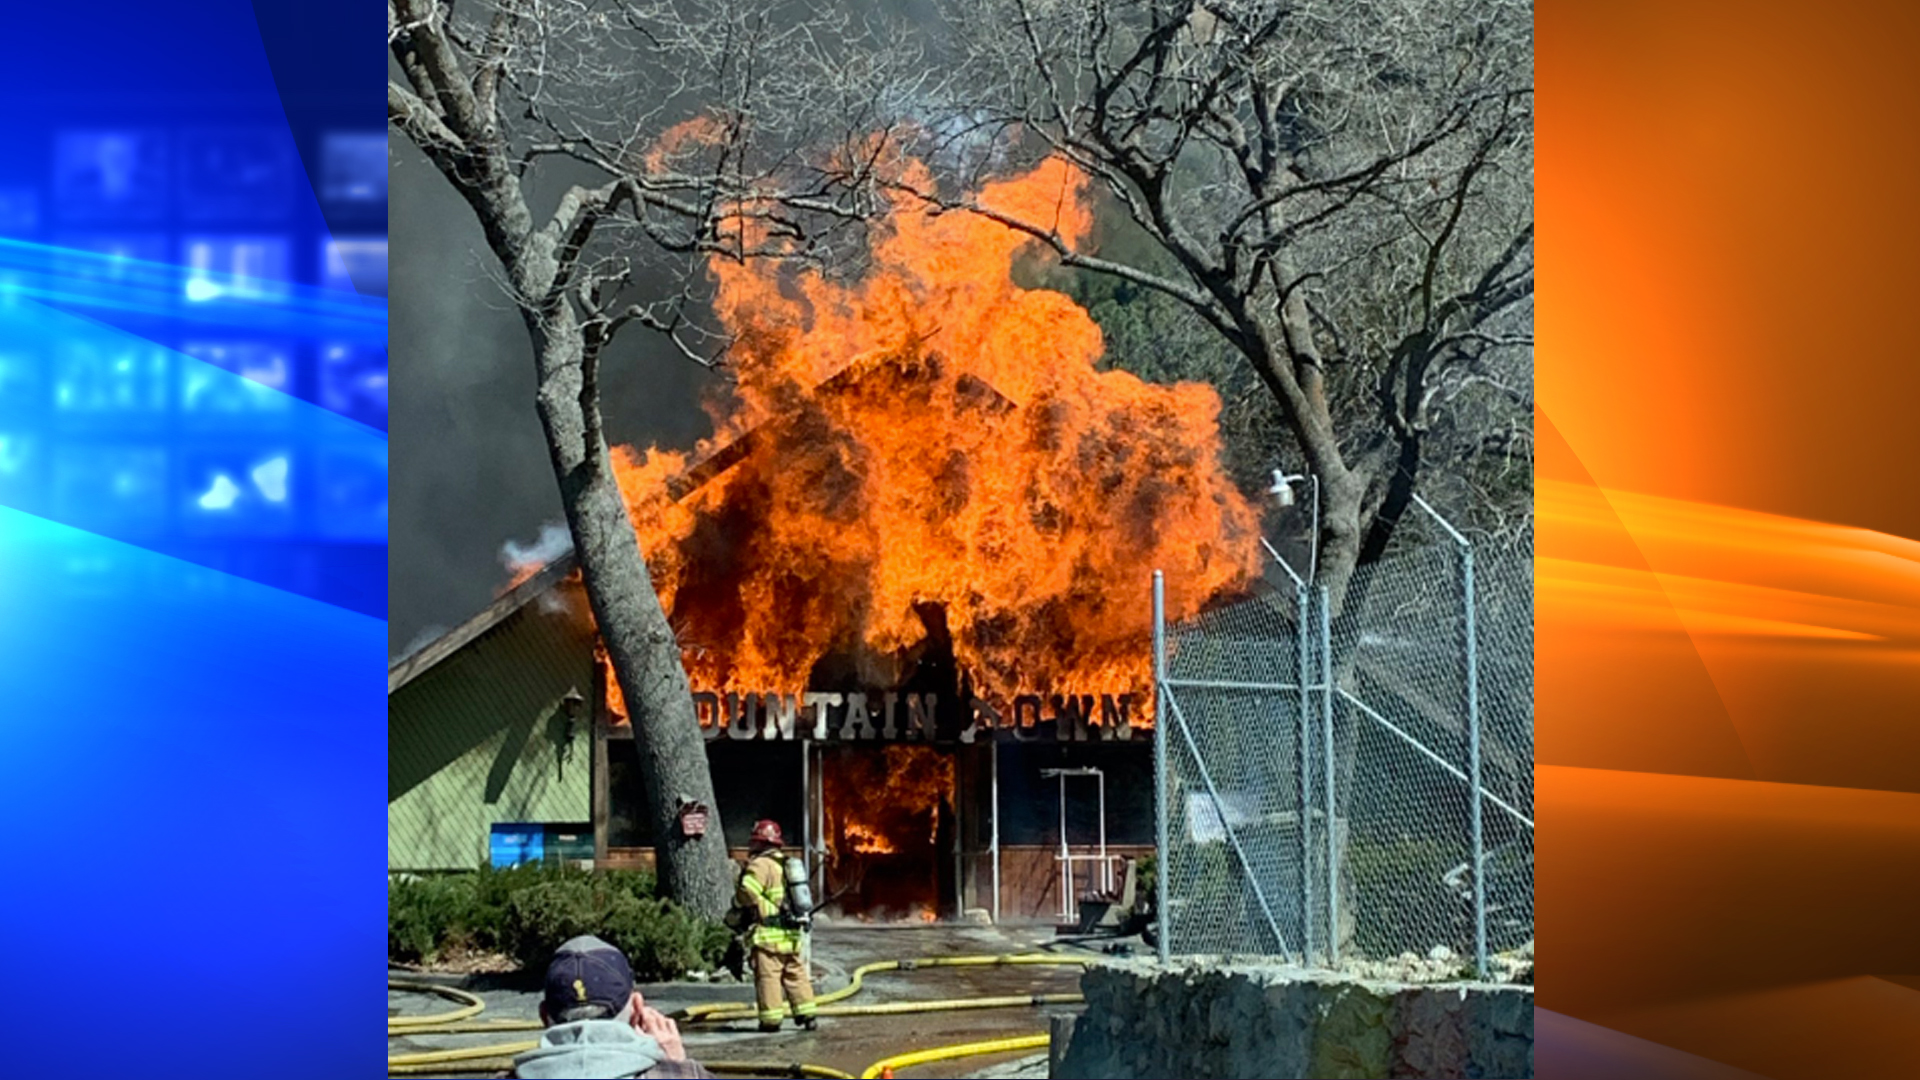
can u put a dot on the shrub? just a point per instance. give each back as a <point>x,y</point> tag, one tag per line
<point>1398,899</point>
<point>428,915</point>
<point>541,917</point>
<point>638,882</point>
<point>527,911</point>
<point>662,940</point>
<point>713,945</point>
<point>495,888</point>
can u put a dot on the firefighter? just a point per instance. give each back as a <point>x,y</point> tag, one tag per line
<point>766,904</point>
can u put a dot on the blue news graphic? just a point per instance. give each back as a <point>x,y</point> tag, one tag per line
<point>192,438</point>
<point>193,522</point>
<point>190,768</point>
<point>193,290</point>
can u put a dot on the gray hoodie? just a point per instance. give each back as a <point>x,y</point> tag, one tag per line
<point>588,1049</point>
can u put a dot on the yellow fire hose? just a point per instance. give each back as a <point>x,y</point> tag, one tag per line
<point>470,1007</point>
<point>727,1012</point>
<point>476,1058</point>
<point>763,1068</point>
<point>886,1066</point>
<point>718,1068</point>
<point>499,1057</point>
<point>882,1068</point>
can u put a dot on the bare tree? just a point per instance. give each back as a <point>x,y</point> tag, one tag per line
<point>1338,190</point>
<point>666,109</point>
<point>1341,190</point>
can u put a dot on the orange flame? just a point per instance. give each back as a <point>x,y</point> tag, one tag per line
<point>884,813</point>
<point>616,699</point>
<point>931,439</point>
<point>679,143</point>
<point>868,842</point>
<point>880,803</point>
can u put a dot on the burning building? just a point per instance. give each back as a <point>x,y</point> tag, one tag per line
<point>909,572</point>
<point>506,743</point>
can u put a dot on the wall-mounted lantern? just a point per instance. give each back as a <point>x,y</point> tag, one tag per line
<point>573,709</point>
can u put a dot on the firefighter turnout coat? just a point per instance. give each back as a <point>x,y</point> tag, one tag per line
<point>763,893</point>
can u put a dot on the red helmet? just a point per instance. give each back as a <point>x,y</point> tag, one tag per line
<point>767,832</point>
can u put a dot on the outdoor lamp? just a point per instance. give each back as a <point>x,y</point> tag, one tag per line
<point>1282,489</point>
<point>1282,492</point>
<point>574,705</point>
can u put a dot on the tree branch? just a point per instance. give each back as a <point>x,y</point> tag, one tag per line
<point>417,120</point>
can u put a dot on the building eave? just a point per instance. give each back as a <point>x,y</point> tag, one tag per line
<point>412,666</point>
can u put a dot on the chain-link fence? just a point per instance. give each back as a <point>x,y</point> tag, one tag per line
<point>1318,767</point>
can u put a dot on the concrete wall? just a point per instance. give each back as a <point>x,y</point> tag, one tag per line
<point>1269,1022</point>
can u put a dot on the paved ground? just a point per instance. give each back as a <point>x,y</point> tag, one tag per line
<point>1026,1068</point>
<point>846,1043</point>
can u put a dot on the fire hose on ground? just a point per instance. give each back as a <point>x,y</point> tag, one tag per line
<point>498,1057</point>
<point>886,1066</point>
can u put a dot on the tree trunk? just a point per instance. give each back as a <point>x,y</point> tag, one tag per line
<point>1376,519</point>
<point>1342,502</point>
<point>640,642</point>
<point>1395,502</point>
<point>460,131</point>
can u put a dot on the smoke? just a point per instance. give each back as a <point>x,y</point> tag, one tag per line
<point>469,467</point>
<point>523,561</point>
<point>427,636</point>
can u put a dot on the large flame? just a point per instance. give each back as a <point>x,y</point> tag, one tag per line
<point>883,815</point>
<point>934,441</point>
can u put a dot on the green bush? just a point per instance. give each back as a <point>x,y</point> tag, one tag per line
<point>541,917</point>
<point>494,888</point>
<point>662,940</point>
<point>425,916</point>
<point>1398,895</point>
<point>713,945</point>
<point>638,882</point>
<point>430,916</point>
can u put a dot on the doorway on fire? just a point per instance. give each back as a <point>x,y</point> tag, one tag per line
<point>887,830</point>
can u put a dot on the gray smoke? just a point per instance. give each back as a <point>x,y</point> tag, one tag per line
<point>468,467</point>
<point>554,541</point>
<point>427,636</point>
<point>468,464</point>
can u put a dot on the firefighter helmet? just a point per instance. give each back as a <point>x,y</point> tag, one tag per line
<point>767,832</point>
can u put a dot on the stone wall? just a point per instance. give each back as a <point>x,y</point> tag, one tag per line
<point>1280,1022</point>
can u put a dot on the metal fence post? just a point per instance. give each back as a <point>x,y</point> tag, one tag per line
<point>1326,734</point>
<point>995,781</point>
<point>1420,732</point>
<point>1473,759</point>
<point>1160,720</point>
<point>1302,597</point>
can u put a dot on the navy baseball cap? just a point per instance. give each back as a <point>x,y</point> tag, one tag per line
<point>587,979</point>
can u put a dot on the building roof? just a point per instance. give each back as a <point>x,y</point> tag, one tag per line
<point>412,666</point>
<point>415,664</point>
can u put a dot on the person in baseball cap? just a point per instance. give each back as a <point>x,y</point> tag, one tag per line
<point>598,1025</point>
